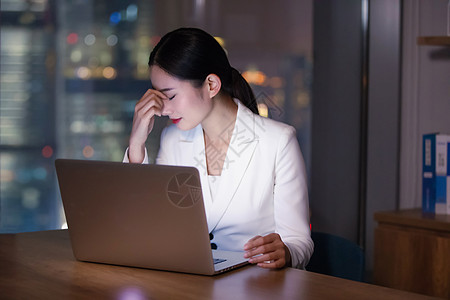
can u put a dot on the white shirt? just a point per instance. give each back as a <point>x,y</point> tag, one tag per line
<point>214,183</point>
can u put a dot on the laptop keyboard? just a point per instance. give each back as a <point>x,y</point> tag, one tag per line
<point>219,260</point>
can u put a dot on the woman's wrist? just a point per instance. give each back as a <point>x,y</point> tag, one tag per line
<point>136,153</point>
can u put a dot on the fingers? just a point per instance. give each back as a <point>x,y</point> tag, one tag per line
<point>267,251</point>
<point>150,104</point>
<point>253,242</point>
<point>274,259</point>
<point>149,108</point>
<point>259,241</point>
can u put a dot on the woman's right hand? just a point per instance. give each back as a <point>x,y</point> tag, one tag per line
<point>146,108</point>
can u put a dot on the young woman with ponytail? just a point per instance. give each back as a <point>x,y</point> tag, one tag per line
<point>251,168</point>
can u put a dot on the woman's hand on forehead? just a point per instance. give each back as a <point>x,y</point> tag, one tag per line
<point>150,104</point>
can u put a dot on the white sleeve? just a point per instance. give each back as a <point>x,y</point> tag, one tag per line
<point>126,159</point>
<point>162,156</point>
<point>291,204</point>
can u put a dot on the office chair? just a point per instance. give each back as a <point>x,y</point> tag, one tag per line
<point>336,256</point>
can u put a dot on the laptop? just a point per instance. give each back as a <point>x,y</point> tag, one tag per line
<point>146,216</point>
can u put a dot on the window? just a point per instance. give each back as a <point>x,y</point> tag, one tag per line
<point>72,71</point>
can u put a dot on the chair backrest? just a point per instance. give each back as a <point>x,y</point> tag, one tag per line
<point>336,256</point>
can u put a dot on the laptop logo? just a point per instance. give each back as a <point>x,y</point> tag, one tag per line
<point>184,190</point>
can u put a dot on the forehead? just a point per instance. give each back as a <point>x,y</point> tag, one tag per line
<point>161,79</point>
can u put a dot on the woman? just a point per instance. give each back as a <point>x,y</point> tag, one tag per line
<point>251,168</point>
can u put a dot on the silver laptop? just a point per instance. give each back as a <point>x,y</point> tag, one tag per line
<point>147,216</point>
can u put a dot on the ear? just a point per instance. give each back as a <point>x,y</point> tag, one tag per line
<point>213,84</point>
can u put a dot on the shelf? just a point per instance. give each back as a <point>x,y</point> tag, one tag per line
<point>415,218</point>
<point>434,40</point>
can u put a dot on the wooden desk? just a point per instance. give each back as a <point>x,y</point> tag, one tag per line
<point>40,265</point>
<point>412,252</point>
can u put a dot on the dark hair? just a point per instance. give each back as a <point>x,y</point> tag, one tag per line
<point>192,54</point>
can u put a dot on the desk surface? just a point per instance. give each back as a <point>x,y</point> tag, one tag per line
<point>40,265</point>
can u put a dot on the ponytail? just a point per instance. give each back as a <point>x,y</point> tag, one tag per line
<point>241,90</point>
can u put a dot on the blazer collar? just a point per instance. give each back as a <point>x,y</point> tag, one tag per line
<point>244,134</point>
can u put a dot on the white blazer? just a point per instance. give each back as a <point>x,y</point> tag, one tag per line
<point>262,187</point>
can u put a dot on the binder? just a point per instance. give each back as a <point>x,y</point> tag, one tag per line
<point>436,177</point>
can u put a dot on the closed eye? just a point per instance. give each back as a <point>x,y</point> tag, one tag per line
<point>172,97</point>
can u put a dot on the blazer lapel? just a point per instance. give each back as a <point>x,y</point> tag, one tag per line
<point>240,151</point>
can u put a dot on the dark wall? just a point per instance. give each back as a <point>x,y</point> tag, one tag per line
<point>336,109</point>
<point>356,117</point>
<point>384,115</point>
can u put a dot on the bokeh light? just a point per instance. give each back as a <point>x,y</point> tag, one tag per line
<point>115,17</point>
<point>76,56</point>
<point>109,73</point>
<point>132,12</point>
<point>47,151</point>
<point>263,110</point>
<point>6,175</point>
<point>255,77</point>
<point>112,40</point>
<point>83,73</point>
<point>89,39</point>
<point>72,38</point>
<point>31,198</point>
<point>88,151</point>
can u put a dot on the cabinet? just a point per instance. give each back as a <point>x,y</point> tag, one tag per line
<point>412,252</point>
<point>434,40</point>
